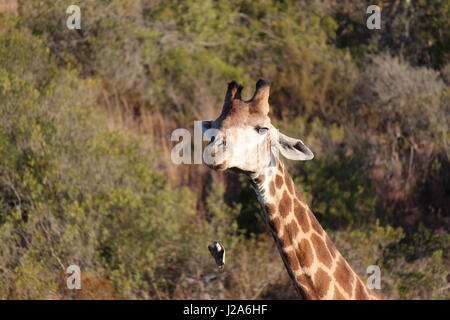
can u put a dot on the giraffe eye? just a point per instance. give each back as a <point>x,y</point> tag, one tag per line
<point>262,131</point>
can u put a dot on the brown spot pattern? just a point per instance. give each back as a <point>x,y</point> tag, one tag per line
<point>307,250</point>
<point>321,250</point>
<point>292,260</point>
<point>289,183</point>
<point>285,239</point>
<point>338,295</point>
<point>279,181</point>
<point>299,196</point>
<point>321,282</point>
<point>280,167</point>
<point>314,223</point>
<point>360,293</point>
<point>305,254</point>
<point>331,246</point>
<point>291,230</point>
<point>343,275</point>
<point>270,209</point>
<point>307,286</point>
<point>275,224</point>
<point>300,215</point>
<point>285,205</point>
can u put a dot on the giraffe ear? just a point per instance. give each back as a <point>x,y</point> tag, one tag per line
<point>293,149</point>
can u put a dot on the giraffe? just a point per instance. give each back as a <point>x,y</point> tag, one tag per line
<point>243,140</point>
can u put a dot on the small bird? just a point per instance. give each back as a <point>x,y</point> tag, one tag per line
<point>218,253</point>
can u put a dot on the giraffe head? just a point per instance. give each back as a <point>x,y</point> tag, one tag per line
<point>243,139</point>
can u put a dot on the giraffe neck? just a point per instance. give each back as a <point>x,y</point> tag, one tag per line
<point>315,266</point>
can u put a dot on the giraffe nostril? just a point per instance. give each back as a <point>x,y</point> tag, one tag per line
<point>212,139</point>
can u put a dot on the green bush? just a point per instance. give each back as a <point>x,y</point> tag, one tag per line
<point>75,192</point>
<point>403,275</point>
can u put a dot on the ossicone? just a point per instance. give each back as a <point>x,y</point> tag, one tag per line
<point>260,99</point>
